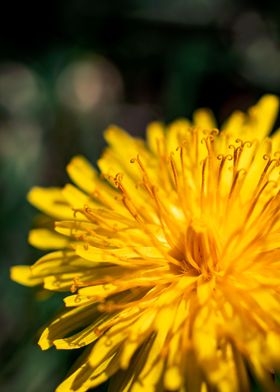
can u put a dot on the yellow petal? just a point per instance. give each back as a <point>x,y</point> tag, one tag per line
<point>136,334</point>
<point>61,282</point>
<point>233,125</point>
<point>204,335</point>
<point>76,300</point>
<point>149,378</point>
<point>87,231</point>
<point>118,256</point>
<point>68,322</point>
<point>46,239</point>
<point>51,202</point>
<point>86,336</point>
<point>272,351</point>
<point>82,173</point>
<point>176,133</point>
<point>123,142</point>
<point>85,377</point>
<point>76,198</point>
<point>153,366</point>
<point>59,269</point>
<point>168,296</point>
<point>86,177</point>
<point>263,115</point>
<point>114,166</point>
<point>172,379</point>
<point>59,262</point>
<point>204,290</point>
<point>105,346</point>
<point>204,118</point>
<point>23,274</point>
<point>155,137</point>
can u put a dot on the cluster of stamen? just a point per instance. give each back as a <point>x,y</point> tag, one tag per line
<point>192,208</point>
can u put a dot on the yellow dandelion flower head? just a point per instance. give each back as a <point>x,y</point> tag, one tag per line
<point>170,257</point>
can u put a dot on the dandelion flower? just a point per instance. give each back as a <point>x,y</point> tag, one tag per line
<point>170,257</point>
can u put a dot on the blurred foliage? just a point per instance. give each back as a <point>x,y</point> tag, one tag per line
<point>71,69</point>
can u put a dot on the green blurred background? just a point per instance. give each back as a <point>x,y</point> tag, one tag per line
<point>70,68</point>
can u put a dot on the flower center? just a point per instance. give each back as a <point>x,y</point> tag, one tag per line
<point>200,248</point>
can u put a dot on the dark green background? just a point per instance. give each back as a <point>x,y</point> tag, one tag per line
<point>70,68</point>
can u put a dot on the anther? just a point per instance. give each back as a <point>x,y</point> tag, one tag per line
<point>266,157</point>
<point>215,132</point>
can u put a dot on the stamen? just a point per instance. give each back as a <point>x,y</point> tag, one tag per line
<point>203,176</point>
<point>257,197</point>
<point>174,171</point>
<point>201,248</point>
<point>236,178</point>
<point>134,212</point>
<point>222,158</point>
<point>265,173</point>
